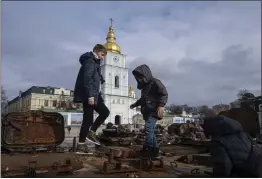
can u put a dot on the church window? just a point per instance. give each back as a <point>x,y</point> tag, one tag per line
<point>109,74</point>
<point>118,101</point>
<point>117,81</point>
<point>123,102</point>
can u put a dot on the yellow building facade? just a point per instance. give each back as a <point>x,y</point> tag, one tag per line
<point>36,98</point>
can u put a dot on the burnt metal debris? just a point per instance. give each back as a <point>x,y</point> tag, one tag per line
<point>118,157</point>
<point>32,129</point>
<point>36,133</point>
<point>33,133</point>
<point>175,134</point>
<point>117,136</point>
<point>40,168</point>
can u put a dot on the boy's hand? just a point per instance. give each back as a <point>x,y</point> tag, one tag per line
<point>160,112</point>
<point>132,106</point>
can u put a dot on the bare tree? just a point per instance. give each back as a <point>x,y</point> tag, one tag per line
<point>187,108</point>
<point>178,109</point>
<point>203,109</point>
<point>220,107</point>
<point>175,109</point>
<point>242,93</point>
<point>3,100</point>
<point>248,99</point>
<point>194,109</point>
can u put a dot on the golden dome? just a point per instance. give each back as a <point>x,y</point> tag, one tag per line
<point>131,90</point>
<point>111,45</point>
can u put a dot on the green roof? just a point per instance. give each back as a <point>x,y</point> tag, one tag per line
<point>38,90</point>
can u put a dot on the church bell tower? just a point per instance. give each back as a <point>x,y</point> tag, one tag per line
<point>113,67</point>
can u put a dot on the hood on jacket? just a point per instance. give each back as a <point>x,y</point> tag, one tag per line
<point>143,70</point>
<point>87,56</point>
<point>221,125</point>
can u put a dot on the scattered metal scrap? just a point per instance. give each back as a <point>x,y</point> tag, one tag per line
<point>119,159</point>
<point>149,164</point>
<point>122,136</point>
<point>189,170</point>
<point>66,166</point>
<point>36,133</point>
<point>117,136</point>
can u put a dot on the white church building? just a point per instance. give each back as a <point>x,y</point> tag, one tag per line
<point>117,94</point>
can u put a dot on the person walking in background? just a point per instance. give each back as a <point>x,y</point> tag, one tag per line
<point>87,91</point>
<point>69,129</point>
<point>154,97</point>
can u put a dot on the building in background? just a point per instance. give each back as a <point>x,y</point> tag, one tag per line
<point>117,94</point>
<point>49,98</point>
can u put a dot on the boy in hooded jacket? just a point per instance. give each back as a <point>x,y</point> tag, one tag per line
<point>154,97</point>
<point>87,91</point>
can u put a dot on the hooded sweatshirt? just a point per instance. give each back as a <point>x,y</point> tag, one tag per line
<point>232,150</point>
<point>153,92</point>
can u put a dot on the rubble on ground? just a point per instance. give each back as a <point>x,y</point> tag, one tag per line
<point>174,134</point>
<point>184,150</point>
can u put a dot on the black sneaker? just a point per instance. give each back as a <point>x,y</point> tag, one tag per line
<point>91,137</point>
<point>155,153</point>
<point>151,152</point>
<point>145,152</point>
<point>82,149</point>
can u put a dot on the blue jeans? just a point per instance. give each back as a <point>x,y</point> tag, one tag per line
<point>150,124</point>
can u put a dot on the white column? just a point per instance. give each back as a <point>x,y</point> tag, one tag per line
<point>69,115</point>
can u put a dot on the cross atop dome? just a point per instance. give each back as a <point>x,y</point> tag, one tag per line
<point>111,44</point>
<point>111,20</point>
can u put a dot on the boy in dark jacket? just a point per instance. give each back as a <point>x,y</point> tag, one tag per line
<point>233,152</point>
<point>153,99</point>
<point>87,91</point>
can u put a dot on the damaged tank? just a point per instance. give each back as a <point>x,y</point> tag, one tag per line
<point>32,129</point>
<point>35,137</point>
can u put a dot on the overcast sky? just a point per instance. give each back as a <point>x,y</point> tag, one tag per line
<point>204,52</point>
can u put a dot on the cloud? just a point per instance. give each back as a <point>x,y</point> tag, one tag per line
<point>204,52</point>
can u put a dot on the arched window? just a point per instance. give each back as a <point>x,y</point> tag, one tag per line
<point>117,81</point>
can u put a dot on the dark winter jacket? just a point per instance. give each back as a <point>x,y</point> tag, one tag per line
<point>88,79</point>
<point>153,92</point>
<point>232,150</point>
